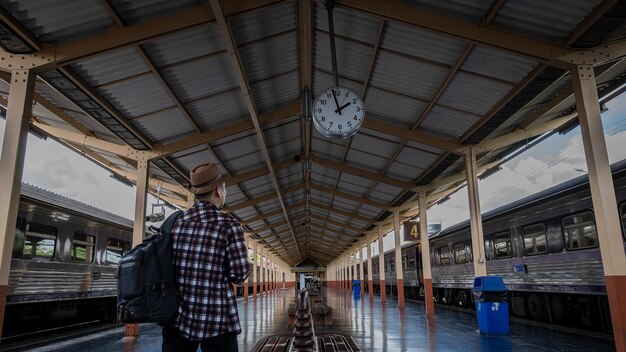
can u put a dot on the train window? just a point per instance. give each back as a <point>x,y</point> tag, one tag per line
<point>460,253</point>
<point>40,241</point>
<point>502,245</point>
<point>83,247</point>
<point>444,255</point>
<point>405,262</point>
<point>579,231</point>
<point>535,241</point>
<point>622,213</point>
<point>412,265</point>
<point>115,249</point>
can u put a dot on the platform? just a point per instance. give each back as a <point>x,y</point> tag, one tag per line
<point>374,327</point>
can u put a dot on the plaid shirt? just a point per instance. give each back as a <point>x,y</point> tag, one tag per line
<point>209,254</point>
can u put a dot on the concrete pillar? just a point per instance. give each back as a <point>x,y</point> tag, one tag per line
<point>361,271</point>
<point>476,223</point>
<point>603,198</point>
<point>381,266</point>
<point>370,282</point>
<point>255,277</point>
<point>131,331</point>
<point>19,112</point>
<point>247,282</point>
<point>398,254</point>
<point>425,252</point>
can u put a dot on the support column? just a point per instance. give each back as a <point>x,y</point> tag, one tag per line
<point>19,112</point>
<point>255,276</point>
<point>425,252</point>
<point>131,331</point>
<point>263,277</point>
<point>476,222</point>
<point>246,283</point>
<point>603,198</point>
<point>381,267</point>
<point>398,252</point>
<point>361,271</point>
<point>370,282</point>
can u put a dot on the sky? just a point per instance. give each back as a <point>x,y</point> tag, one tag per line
<point>54,167</point>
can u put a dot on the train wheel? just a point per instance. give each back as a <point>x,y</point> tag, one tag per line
<point>535,307</point>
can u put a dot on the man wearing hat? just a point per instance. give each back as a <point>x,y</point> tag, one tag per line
<point>209,254</point>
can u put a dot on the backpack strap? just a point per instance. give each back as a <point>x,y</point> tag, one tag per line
<point>168,224</point>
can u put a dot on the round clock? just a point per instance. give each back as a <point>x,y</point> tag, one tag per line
<point>338,112</point>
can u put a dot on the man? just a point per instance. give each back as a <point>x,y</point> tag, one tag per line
<point>209,254</point>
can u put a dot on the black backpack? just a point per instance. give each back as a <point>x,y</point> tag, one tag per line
<point>146,287</point>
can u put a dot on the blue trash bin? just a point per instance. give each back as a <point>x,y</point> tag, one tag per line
<point>492,309</point>
<point>356,289</point>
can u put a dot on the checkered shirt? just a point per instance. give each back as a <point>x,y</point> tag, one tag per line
<point>209,254</point>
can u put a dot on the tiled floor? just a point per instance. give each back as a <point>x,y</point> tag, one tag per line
<point>374,328</point>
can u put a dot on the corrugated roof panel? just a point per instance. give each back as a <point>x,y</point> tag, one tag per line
<point>421,43</point>
<point>348,23</point>
<point>380,135</point>
<point>285,150</point>
<point>385,188</point>
<point>452,123</point>
<point>110,66</point>
<point>190,161</point>
<point>473,94</point>
<point>282,133</point>
<point>344,204</point>
<point>466,10</point>
<point>276,93</point>
<point>364,160</point>
<point>60,21</point>
<point>373,145</point>
<point>425,147</point>
<point>246,162</point>
<point>136,11</point>
<point>389,107</point>
<point>368,212</point>
<point>258,190</point>
<point>246,212</point>
<point>323,147</point>
<point>410,77</point>
<point>264,22</point>
<point>414,157</point>
<point>270,57</point>
<point>353,59</point>
<point>497,63</point>
<point>323,180</point>
<point>357,180</point>
<point>351,188</point>
<point>545,20</point>
<point>322,170</point>
<point>165,126</point>
<point>185,45</point>
<point>138,96</point>
<point>219,110</point>
<point>256,182</point>
<point>237,148</point>
<point>323,80</point>
<point>200,78</point>
<point>289,171</point>
<point>403,171</point>
<point>381,197</point>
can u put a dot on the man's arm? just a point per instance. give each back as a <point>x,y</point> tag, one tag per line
<point>237,255</point>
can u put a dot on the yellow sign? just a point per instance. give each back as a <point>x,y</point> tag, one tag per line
<point>412,231</point>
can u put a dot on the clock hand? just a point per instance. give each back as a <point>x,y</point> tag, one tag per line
<point>336,103</point>
<point>341,108</point>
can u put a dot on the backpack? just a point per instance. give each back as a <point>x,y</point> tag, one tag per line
<point>146,287</point>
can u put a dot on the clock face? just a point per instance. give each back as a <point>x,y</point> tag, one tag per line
<point>338,112</point>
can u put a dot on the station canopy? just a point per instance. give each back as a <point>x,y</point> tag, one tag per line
<point>180,83</point>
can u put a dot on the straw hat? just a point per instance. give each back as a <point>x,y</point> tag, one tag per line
<point>205,178</point>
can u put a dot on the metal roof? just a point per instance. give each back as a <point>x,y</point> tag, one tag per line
<point>182,85</point>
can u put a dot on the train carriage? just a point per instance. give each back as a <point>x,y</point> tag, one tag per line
<point>64,261</point>
<point>545,246</point>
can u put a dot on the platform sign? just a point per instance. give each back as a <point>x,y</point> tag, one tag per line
<point>412,231</point>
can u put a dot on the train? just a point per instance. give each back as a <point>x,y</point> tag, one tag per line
<point>544,246</point>
<point>64,261</point>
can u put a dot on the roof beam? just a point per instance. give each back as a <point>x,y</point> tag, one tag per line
<point>348,196</point>
<point>412,135</point>
<point>360,172</point>
<point>262,198</point>
<point>398,11</point>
